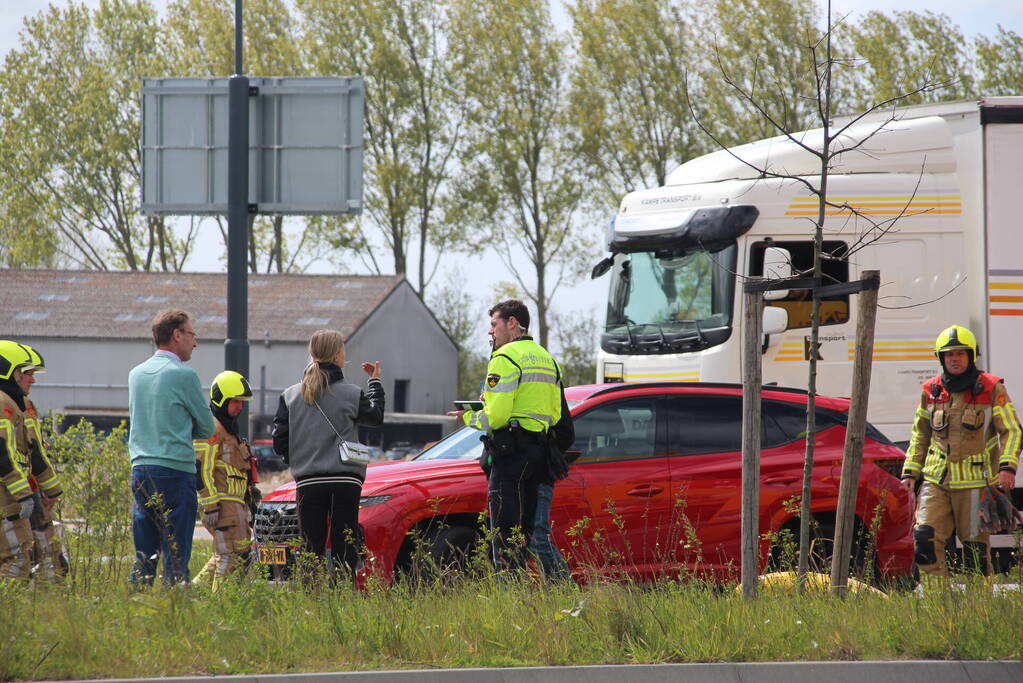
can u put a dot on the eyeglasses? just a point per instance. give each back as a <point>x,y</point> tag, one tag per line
<point>191,332</point>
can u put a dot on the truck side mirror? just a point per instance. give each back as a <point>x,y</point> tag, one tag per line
<point>776,320</point>
<point>602,267</point>
<point>777,266</point>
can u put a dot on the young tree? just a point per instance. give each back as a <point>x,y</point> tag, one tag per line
<point>521,183</point>
<point>819,65</point>
<point>71,167</point>
<point>413,118</point>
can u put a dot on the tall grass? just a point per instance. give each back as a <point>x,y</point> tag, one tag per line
<point>93,626</point>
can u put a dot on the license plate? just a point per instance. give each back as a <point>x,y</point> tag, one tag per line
<point>273,554</point>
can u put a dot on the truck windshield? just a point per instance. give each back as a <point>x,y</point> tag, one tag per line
<point>667,301</point>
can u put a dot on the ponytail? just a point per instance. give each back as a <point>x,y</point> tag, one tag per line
<point>323,347</point>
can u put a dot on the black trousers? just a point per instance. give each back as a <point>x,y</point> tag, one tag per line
<point>511,497</point>
<point>333,506</point>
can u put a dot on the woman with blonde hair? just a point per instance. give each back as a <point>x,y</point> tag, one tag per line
<point>312,417</point>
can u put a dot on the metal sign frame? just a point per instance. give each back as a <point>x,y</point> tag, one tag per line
<point>305,145</point>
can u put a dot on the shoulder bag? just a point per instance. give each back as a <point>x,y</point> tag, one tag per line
<point>350,452</point>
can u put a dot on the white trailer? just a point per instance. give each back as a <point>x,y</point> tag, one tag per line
<point>942,178</point>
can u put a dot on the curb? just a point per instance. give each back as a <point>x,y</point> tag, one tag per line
<point>916,671</point>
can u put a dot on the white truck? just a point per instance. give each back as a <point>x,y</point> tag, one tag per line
<point>936,191</point>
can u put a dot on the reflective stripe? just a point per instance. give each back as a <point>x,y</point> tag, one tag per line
<point>503,388</point>
<point>1010,449</point>
<point>545,419</point>
<point>539,377</point>
<point>479,421</point>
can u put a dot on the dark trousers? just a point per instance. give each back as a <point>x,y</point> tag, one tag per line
<point>334,506</point>
<point>511,497</point>
<point>163,522</point>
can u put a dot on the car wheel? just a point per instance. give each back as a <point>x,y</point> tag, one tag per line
<point>439,553</point>
<point>784,552</point>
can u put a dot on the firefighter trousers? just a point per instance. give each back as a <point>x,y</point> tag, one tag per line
<point>16,549</point>
<point>231,542</point>
<point>939,513</point>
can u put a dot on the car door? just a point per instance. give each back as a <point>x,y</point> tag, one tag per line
<point>623,476</point>
<point>705,438</point>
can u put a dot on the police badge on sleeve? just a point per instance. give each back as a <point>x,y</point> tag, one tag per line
<point>492,380</point>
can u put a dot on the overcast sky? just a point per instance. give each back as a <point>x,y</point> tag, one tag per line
<point>973,16</point>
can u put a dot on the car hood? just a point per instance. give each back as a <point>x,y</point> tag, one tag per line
<point>381,476</point>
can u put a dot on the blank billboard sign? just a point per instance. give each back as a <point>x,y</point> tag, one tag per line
<point>305,145</point>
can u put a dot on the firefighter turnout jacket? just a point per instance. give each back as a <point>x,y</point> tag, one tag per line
<point>41,468</point>
<point>962,439</point>
<point>15,462</point>
<point>522,384</point>
<point>224,469</point>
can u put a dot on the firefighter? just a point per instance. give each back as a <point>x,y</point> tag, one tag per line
<point>966,436</point>
<point>51,560</point>
<point>16,503</point>
<point>227,475</point>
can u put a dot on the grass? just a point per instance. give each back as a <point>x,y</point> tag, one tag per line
<point>92,626</point>
<point>93,629</point>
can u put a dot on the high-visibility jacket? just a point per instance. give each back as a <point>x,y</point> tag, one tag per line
<point>961,439</point>
<point>42,469</point>
<point>14,458</point>
<point>224,468</point>
<point>523,383</point>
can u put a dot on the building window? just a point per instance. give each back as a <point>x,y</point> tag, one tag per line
<point>401,395</point>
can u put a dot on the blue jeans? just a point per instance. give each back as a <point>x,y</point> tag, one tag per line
<point>551,561</point>
<point>163,522</point>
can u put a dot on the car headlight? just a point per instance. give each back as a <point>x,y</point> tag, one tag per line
<point>367,501</point>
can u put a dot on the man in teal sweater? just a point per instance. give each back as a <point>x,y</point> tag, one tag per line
<point>168,410</point>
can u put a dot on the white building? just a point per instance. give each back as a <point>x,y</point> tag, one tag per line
<point>92,327</point>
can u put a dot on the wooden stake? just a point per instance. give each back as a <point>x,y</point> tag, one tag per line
<point>752,379</point>
<point>854,434</point>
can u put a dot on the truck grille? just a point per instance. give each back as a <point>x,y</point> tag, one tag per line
<point>276,522</point>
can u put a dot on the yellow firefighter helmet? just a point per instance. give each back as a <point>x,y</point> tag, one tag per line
<point>227,385</point>
<point>955,337</point>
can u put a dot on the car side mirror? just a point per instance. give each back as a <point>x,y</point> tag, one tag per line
<point>776,319</point>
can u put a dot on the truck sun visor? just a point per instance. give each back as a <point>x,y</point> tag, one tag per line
<point>698,227</point>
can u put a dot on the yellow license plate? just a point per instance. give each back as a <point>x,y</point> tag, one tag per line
<point>273,554</point>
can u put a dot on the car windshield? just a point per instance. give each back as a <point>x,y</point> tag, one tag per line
<point>464,444</point>
<point>672,291</point>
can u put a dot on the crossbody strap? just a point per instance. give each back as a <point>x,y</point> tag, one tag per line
<point>317,404</point>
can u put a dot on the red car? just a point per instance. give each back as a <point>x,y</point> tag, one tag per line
<point>654,493</point>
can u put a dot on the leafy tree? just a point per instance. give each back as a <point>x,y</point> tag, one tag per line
<point>575,346</point>
<point>463,318</point>
<point>522,171</point>
<point>1000,62</point>
<point>903,48</point>
<point>632,117</point>
<point>413,119</point>
<point>200,43</point>
<point>70,171</point>
<point>766,52</point>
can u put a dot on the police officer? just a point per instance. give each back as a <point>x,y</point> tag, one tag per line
<point>224,463</point>
<point>16,503</point>
<point>522,399</point>
<point>52,561</point>
<point>965,436</point>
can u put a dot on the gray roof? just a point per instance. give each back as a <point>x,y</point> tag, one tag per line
<point>121,305</point>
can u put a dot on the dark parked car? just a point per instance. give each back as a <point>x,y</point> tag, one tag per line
<point>266,459</point>
<point>655,491</point>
